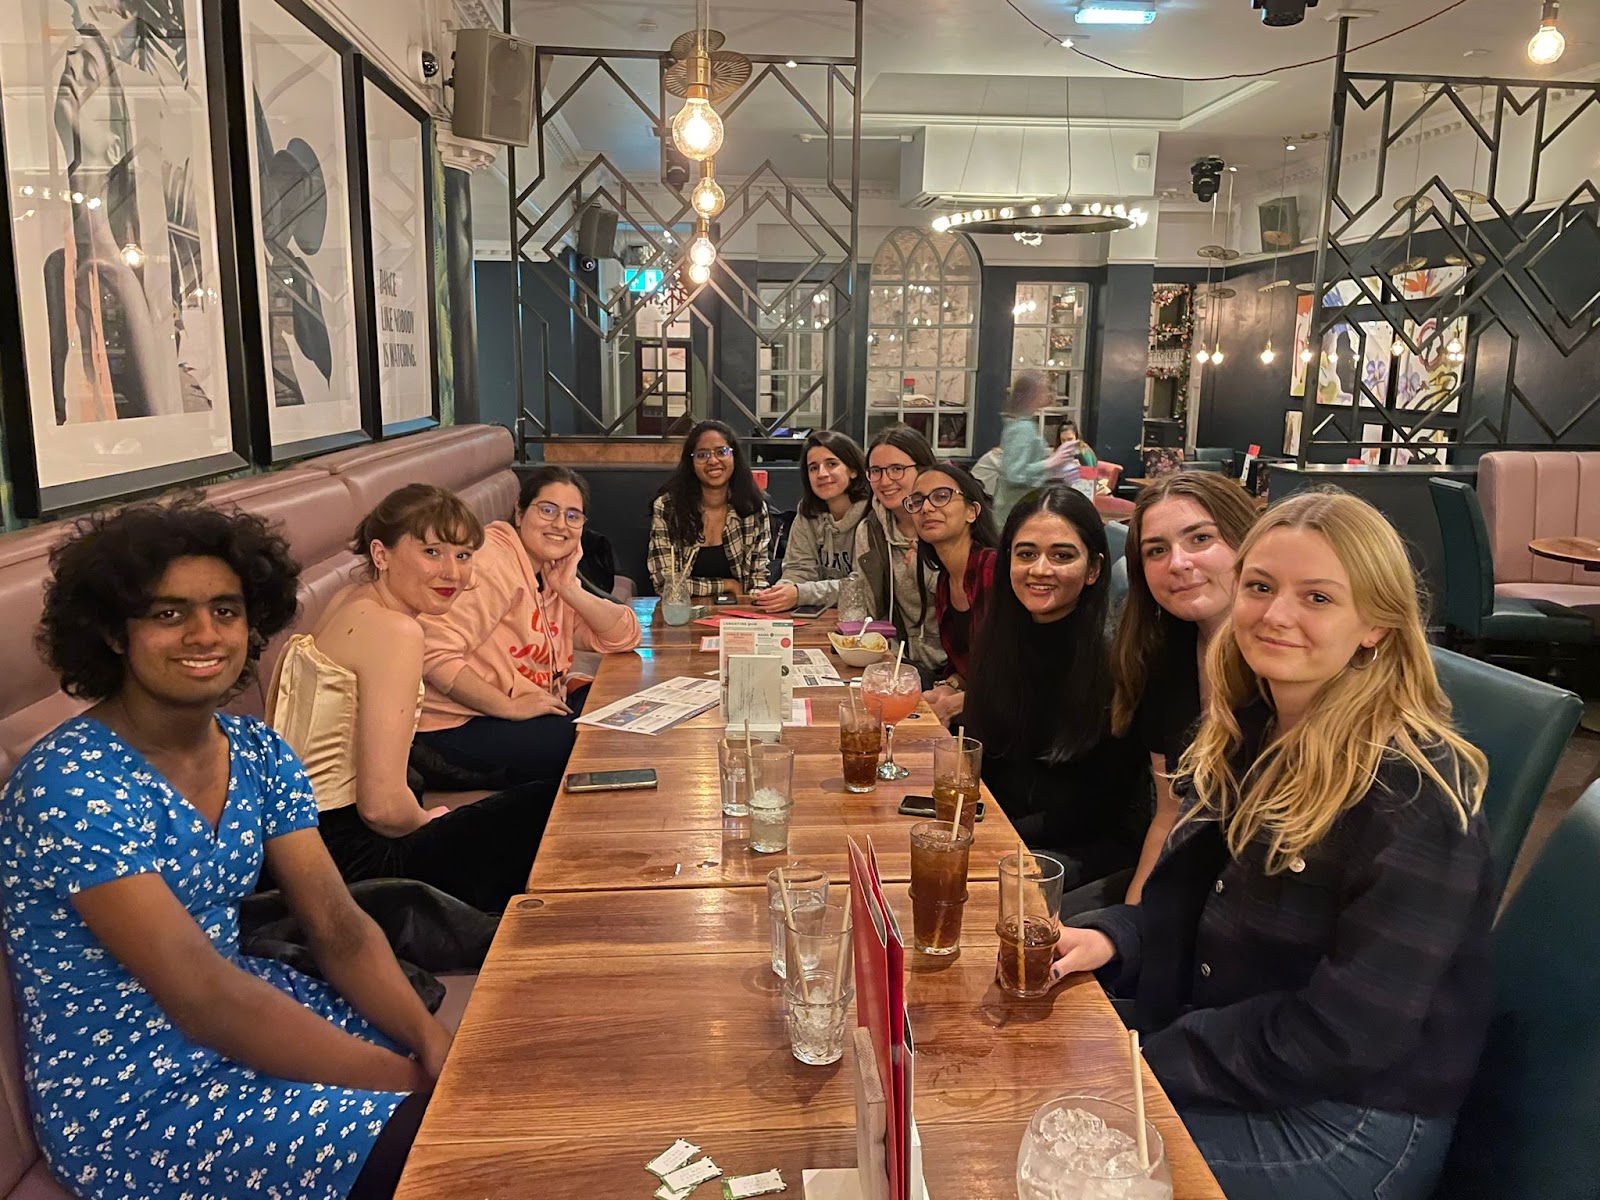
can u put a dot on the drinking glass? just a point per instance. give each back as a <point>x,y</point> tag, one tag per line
<point>808,892</point>
<point>1030,902</point>
<point>1085,1148</point>
<point>860,742</point>
<point>957,769</point>
<point>891,694</point>
<point>677,605</point>
<point>938,885</point>
<point>771,797</point>
<point>819,985</point>
<point>734,765</point>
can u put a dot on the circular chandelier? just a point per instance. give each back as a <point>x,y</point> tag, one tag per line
<point>1055,217</point>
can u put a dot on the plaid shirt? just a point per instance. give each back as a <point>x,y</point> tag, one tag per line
<point>1361,975</point>
<point>746,540</point>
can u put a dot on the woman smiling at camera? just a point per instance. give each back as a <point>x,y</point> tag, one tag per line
<point>1183,540</point>
<point>160,1061</point>
<point>708,522</point>
<point>496,660</point>
<point>346,696</point>
<point>1311,958</point>
<point>833,500</point>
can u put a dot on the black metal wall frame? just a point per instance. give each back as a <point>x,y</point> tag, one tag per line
<point>1500,250</point>
<point>760,190</point>
<point>361,183</point>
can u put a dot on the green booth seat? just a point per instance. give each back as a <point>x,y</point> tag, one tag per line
<point>1522,725</point>
<point>1530,1129</point>
<point>1471,610</point>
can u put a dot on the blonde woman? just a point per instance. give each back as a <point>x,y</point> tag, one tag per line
<point>1310,962</point>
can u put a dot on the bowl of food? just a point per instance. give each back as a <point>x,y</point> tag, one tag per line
<point>861,649</point>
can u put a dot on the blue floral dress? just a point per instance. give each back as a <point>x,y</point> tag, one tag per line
<point>124,1105</point>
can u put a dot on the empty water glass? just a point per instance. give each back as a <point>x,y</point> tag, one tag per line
<point>808,892</point>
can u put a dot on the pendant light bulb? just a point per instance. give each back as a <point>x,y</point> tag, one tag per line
<point>1216,353</point>
<point>1268,354</point>
<point>1399,348</point>
<point>707,197</point>
<point>697,129</point>
<point>133,255</point>
<point>1305,355</point>
<point>698,274</point>
<point>1203,356</point>
<point>1548,45</point>
<point>702,253</point>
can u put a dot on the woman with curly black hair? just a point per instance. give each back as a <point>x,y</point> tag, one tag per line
<point>709,522</point>
<point>128,837</point>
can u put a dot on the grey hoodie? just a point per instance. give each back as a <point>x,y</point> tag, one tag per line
<point>821,553</point>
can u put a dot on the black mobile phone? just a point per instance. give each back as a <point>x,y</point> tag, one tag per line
<point>809,611</point>
<point>611,781</point>
<point>727,598</point>
<point>922,806</point>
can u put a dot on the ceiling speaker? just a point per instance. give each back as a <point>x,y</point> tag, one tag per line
<point>493,87</point>
<point>1280,224</point>
<point>597,232</point>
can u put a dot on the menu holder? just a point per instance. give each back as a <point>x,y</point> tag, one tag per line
<point>754,695</point>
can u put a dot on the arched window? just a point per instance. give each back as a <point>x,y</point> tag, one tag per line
<point>922,341</point>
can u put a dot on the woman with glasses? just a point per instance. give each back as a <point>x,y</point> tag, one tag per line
<point>709,520</point>
<point>346,697</point>
<point>833,501</point>
<point>1040,693</point>
<point>886,548</point>
<point>958,541</point>
<point>498,704</point>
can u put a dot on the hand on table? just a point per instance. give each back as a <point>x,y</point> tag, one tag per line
<point>1080,950</point>
<point>780,597</point>
<point>946,702</point>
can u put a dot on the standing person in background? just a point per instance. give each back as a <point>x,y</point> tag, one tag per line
<point>834,494</point>
<point>1024,458</point>
<point>709,519</point>
<point>886,548</point>
<point>1040,694</point>
<point>347,696</point>
<point>958,541</point>
<point>1311,965</point>
<point>159,1061</point>
<point>1183,538</point>
<point>496,660</point>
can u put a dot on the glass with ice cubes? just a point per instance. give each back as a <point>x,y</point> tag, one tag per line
<point>1084,1148</point>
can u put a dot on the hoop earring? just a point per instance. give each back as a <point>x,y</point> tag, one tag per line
<point>1372,657</point>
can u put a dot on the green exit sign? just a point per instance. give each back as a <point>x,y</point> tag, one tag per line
<point>642,279</point>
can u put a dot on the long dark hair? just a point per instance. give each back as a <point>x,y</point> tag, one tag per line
<point>1144,627</point>
<point>843,447</point>
<point>682,488</point>
<point>981,530</point>
<point>1000,709</point>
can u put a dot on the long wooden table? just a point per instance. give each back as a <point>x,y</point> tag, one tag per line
<point>619,1010</point>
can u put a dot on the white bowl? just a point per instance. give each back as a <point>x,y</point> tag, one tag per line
<point>855,656</point>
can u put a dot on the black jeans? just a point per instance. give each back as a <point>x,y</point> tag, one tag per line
<point>380,1174</point>
<point>511,752</point>
<point>480,853</point>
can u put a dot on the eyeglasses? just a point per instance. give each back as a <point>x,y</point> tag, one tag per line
<point>939,497</point>
<point>575,517</point>
<point>714,452</point>
<point>895,472</point>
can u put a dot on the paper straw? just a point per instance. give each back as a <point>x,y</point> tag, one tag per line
<point>838,962</point>
<point>899,657</point>
<point>1022,926</point>
<point>788,919</point>
<point>1138,1101</point>
<point>749,747</point>
<point>955,823</point>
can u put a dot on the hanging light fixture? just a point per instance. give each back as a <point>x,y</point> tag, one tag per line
<point>1268,354</point>
<point>702,251</point>
<point>698,274</point>
<point>1546,46</point>
<point>707,198</point>
<point>1278,239</point>
<point>133,254</point>
<point>703,73</point>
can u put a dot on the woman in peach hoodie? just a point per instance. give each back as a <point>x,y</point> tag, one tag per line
<point>496,662</point>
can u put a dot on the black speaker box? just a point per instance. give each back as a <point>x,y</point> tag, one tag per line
<point>597,232</point>
<point>493,88</point>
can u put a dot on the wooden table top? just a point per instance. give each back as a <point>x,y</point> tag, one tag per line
<point>1585,551</point>
<point>600,1050</point>
<point>630,1000</point>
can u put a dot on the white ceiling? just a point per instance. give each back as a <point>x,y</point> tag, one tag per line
<point>939,61</point>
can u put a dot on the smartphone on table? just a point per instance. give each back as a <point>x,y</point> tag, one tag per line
<point>612,781</point>
<point>922,806</point>
<point>809,611</point>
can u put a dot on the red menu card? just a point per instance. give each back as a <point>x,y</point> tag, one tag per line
<point>881,1006</point>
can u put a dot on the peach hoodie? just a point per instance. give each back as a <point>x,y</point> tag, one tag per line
<point>502,627</point>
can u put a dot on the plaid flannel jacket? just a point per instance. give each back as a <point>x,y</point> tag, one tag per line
<point>747,541</point>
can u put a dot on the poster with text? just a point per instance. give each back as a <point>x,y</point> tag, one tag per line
<point>398,222</point>
<point>121,375</point>
<point>294,86</point>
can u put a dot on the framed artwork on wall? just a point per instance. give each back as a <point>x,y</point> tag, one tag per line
<point>117,260</point>
<point>398,200</point>
<point>298,105</point>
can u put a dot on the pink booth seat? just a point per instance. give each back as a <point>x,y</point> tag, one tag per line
<point>318,505</point>
<point>1540,494</point>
